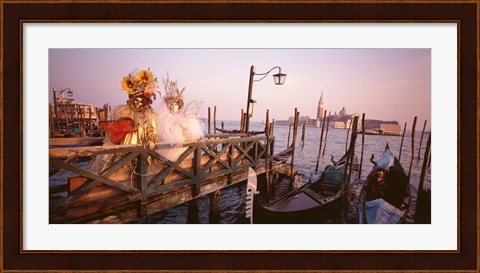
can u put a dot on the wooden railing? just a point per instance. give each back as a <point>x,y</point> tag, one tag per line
<point>144,173</point>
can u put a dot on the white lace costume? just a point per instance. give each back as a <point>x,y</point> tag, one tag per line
<point>175,124</point>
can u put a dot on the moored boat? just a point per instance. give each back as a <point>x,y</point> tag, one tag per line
<point>313,201</point>
<point>386,193</point>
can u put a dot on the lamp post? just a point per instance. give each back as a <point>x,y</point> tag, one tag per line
<point>62,92</point>
<point>278,78</point>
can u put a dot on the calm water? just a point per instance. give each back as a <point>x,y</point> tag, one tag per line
<point>233,198</point>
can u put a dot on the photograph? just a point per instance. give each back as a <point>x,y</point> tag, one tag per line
<point>239,136</point>
<point>243,136</point>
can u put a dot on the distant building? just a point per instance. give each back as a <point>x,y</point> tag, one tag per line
<point>320,110</point>
<point>343,120</point>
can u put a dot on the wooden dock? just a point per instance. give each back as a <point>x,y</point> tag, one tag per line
<point>141,181</point>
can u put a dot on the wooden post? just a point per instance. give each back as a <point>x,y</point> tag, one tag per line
<point>363,144</point>
<point>72,117</point>
<point>222,127</point>
<point>83,121</point>
<point>90,121</point>
<point>352,154</point>
<point>267,144</point>
<point>423,208</point>
<point>413,148</point>
<point>421,139</point>
<point>294,141</point>
<point>214,212</point>
<point>192,215</point>
<point>321,141</point>
<point>50,115</point>
<point>272,125</point>
<point>326,134</point>
<point>209,122</point>
<point>242,117</point>
<point>245,129</point>
<point>303,133</point>
<point>424,166</point>
<point>98,122</point>
<point>230,164</point>
<point>65,112</point>
<point>401,143</point>
<point>107,112</point>
<point>350,157</point>
<point>289,130</point>
<point>214,119</point>
<point>62,115</point>
<point>348,132</point>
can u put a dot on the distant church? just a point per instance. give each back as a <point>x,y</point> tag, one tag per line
<point>342,120</point>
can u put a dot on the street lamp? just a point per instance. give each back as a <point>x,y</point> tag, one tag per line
<point>278,78</point>
<point>62,92</point>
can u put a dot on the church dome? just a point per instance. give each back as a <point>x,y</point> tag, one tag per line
<point>343,112</point>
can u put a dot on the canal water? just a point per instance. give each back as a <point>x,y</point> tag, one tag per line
<point>232,199</point>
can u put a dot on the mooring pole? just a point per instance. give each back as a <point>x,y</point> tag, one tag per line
<point>289,130</point>
<point>348,132</point>
<point>241,121</point>
<point>401,143</point>
<point>267,155</point>
<point>192,215</point>
<point>413,149</point>
<point>209,121</point>
<point>321,142</point>
<point>214,211</point>
<point>422,174</point>
<point>303,133</point>
<point>214,119</point>
<point>326,134</point>
<point>272,125</point>
<point>421,139</point>
<point>363,144</point>
<point>294,141</point>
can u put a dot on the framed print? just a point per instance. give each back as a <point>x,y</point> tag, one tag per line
<point>405,59</point>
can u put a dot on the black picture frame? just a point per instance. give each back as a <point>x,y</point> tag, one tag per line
<point>465,13</point>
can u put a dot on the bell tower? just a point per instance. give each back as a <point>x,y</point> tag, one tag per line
<point>320,110</point>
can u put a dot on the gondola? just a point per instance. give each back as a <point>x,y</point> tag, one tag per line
<point>386,194</point>
<point>235,131</point>
<point>313,201</point>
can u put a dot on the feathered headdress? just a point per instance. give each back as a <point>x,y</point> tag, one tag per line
<point>172,93</point>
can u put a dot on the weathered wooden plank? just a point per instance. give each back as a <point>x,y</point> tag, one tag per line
<point>142,166</point>
<point>96,210</point>
<point>90,151</point>
<point>197,161</point>
<point>74,141</point>
<point>93,176</point>
<point>225,135</point>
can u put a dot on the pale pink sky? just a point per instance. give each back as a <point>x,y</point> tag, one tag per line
<point>388,84</point>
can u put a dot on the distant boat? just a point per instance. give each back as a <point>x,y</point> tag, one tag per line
<point>381,132</point>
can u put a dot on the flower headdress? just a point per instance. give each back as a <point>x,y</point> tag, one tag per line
<point>141,89</point>
<point>172,93</point>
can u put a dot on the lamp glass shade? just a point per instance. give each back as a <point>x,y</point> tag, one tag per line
<point>250,108</point>
<point>70,93</point>
<point>279,78</point>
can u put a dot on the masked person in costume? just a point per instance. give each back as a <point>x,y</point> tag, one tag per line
<point>176,123</point>
<point>133,123</point>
